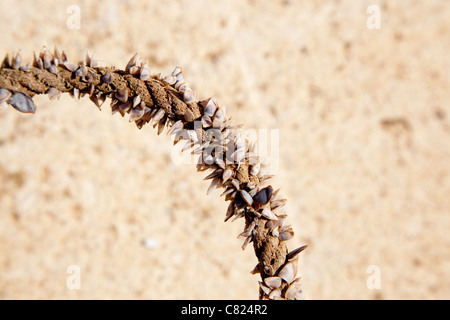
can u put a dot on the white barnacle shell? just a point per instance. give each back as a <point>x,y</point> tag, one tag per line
<point>176,127</point>
<point>22,102</point>
<point>214,183</point>
<point>121,95</point>
<point>91,61</point>
<point>230,211</point>
<point>27,68</point>
<point>136,100</point>
<point>288,271</point>
<point>292,255</point>
<point>188,95</point>
<point>286,235</point>
<point>255,270</point>
<point>180,77</point>
<point>135,70</point>
<point>17,61</point>
<point>136,114</point>
<point>273,282</point>
<point>294,292</point>
<point>246,242</point>
<point>276,232</point>
<point>158,116</point>
<point>277,203</point>
<point>76,94</point>
<point>275,294</point>
<point>264,288</point>
<point>266,213</point>
<point>247,198</point>
<point>81,71</point>
<point>210,107</point>
<point>227,174</point>
<point>177,71</point>
<point>4,95</point>
<point>131,63</point>
<point>145,73</point>
<point>52,69</point>
<point>107,78</point>
<point>53,93</point>
<point>72,67</point>
<point>169,80</point>
<point>206,121</point>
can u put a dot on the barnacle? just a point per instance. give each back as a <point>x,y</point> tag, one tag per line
<point>168,101</point>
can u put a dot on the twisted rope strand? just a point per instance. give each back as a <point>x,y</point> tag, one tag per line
<point>168,101</point>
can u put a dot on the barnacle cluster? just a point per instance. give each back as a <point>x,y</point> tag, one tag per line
<point>167,101</point>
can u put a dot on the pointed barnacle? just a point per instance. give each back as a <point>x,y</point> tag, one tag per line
<point>135,70</point>
<point>98,100</point>
<point>38,64</point>
<point>158,116</point>
<point>53,93</point>
<point>255,270</point>
<point>107,78</point>
<point>53,69</point>
<point>131,63</point>
<point>263,196</point>
<point>286,235</point>
<point>227,174</point>
<point>124,107</point>
<point>189,115</point>
<point>81,71</point>
<point>5,62</point>
<point>247,198</point>
<point>265,289</point>
<point>176,127</point>
<point>145,73</point>
<point>288,271</point>
<point>230,211</point>
<point>57,55</point>
<point>121,94</point>
<point>255,169</point>
<point>273,282</point>
<point>90,77</point>
<point>249,230</point>
<point>91,60</point>
<point>292,255</point>
<point>266,213</point>
<point>17,61</point>
<point>206,121</point>
<point>216,173</point>
<point>22,102</point>
<point>4,95</point>
<point>169,80</point>
<point>177,71</point>
<point>91,90</point>
<point>76,94</point>
<point>210,107</point>
<point>161,126</point>
<point>277,203</point>
<point>136,100</point>
<point>246,242</point>
<point>72,67</point>
<point>294,291</point>
<point>268,269</point>
<point>214,183</point>
<point>46,58</point>
<point>136,114</point>
<point>188,95</point>
<point>275,294</point>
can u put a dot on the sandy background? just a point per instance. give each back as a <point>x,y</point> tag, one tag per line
<point>364,160</point>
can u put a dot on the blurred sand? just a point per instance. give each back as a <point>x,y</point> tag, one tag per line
<point>364,157</point>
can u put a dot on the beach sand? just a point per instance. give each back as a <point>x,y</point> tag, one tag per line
<point>361,120</point>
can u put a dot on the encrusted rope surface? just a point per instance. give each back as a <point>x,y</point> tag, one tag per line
<point>168,101</point>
